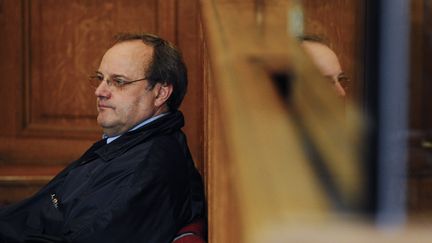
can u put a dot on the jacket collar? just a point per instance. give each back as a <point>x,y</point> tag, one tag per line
<point>164,125</point>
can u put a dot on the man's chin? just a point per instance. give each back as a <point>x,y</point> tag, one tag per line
<point>108,127</point>
<point>106,124</point>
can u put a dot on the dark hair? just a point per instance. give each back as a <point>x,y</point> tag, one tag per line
<point>166,66</point>
<point>313,38</point>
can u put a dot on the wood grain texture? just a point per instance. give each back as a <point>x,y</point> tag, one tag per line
<point>190,43</point>
<point>167,19</point>
<point>64,48</point>
<point>420,118</point>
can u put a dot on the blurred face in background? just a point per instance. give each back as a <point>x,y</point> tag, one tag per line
<point>327,63</point>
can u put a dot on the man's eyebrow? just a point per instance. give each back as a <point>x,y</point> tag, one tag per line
<point>120,76</point>
<point>114,75</point>
<point>342,74</point>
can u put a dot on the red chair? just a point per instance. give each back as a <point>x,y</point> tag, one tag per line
<point>192,233</point>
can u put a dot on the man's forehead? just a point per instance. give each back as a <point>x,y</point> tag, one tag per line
<point>127,58</point>
<point>318,49</point>
<point>322,56</point>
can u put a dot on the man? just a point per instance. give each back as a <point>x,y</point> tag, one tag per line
<point>326,61</point>
<point>139,184</point>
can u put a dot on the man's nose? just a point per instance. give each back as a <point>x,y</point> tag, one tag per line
<point>103,90</point>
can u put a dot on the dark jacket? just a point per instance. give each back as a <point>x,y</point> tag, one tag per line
<point>142,187</point>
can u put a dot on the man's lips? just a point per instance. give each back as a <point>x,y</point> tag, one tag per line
<point>104,106</point>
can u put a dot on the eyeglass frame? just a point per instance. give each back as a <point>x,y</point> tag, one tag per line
<point>111,81</point>
<point>342,79</point>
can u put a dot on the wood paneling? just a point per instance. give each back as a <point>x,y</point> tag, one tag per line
<point>190,41</point>
<point>420,116</point>
<point>64,41</point>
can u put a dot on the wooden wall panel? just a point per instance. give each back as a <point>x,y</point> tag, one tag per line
<point>65,42</point>
<point>420,116</point>
<point>10,60</point>
<point>191,43</point>
<point>167,20</point>
<point>340,23</point>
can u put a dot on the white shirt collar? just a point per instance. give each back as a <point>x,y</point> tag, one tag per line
<point>147,121</point>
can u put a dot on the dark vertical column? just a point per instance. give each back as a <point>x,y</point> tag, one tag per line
<point>370,95</point>
<point>393,110</point>
<point>386,103</point>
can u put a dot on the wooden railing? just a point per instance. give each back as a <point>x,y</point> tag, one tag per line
<point>20,181</point>
<point>283,162</point>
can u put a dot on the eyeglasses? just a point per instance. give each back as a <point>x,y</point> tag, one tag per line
<point>118,82</point>
<point>342,79</point>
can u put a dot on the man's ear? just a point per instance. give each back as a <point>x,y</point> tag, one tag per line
<point>163,92</point>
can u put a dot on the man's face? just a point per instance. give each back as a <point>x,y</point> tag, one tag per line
<point>327,62</point>
<point>120,108</point>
